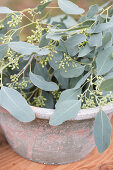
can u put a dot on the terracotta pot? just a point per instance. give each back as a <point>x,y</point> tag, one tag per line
<point>1,135</point>
<point>40,142</point>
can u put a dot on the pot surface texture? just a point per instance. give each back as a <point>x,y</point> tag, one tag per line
<point>42,143</point>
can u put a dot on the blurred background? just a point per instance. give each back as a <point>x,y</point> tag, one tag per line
<point>22,4</point>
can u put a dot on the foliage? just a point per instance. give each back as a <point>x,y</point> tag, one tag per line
<point>61,65</point>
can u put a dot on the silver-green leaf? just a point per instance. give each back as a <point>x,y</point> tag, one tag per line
<point>16,105</point>
<point>69,7</point>
<point>95,40</point>
<point>23,47</point>
<point>69,94</point>
<point>82,80</point>
<point>43,41</point>
<point>54,63</point>
<point>74,40</point>
<point>64,82</point>
<point>71,72</point>
<point>92,11</point>
<point>102,131</point>
<point>104,61</point>
<point>84,51</point>
<point>41,71</point>
<point>102,27</point>
<point>54,36</point>
<point>41,83</point>
<point>65,111</point>
<point>107,85</point>
<point>5,10</point>
<point>3,50</point>
<point>27,48</point>
<point>107,40</point>
<point>49,103</point>
<point>41,7</point>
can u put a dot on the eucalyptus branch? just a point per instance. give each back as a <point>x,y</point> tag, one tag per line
<point>5,66</point>
<point>106,9</point>
<point>26,66</point>
<point>27,17</point>
<point>53,7</point>
<point>32,93</point>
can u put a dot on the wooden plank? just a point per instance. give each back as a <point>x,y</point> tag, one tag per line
<point>9,160</point>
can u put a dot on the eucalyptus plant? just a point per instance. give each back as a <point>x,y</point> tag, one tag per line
<point>64,62</point>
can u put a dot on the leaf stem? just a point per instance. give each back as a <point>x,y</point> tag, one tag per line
<point>23,70</point>
<point>53,7</point>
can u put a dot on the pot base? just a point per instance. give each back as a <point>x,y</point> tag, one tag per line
<point>58,163</point>
<point>42,143</point>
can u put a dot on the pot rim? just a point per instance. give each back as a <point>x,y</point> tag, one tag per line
<point>44,113</point>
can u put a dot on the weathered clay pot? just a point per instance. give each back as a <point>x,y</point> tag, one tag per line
<point>40,142</point>
<point>1,135</point>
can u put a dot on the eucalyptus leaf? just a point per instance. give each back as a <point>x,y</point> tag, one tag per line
<point>102,131</point>
<point>3,50</point>
<point>27,48</point>
<point>5,10</point>
<point>107,40</point>
<point>92,11</point>
<point>61,47</point>
<point>84,51</point>
<point>54,36</point>
<point>72,51</point>
<point>49,103</point>
<point>104,5</point>
<point>54,63</point>
<point>74,81</point>
<point>75,40</point>
<point>41,7</point>
<point>69,94</point>
<point>71,72</point>
<point>5,29</point>
<point>64,82</point>
<point>65,111</point>
<point>67,20</point>
<point>83,18</point>
<point>100,19</point>
<point>23,48</point>
<point>107,85</point>
<point>58,30</point>
<point>102,27</point>
<point>43,51</point>
<point>95,40</point>
<point>104,61</point>
<point>1,36</point>
<point>109,75</point>
<point>14,103</point>
<point>41,71</point>
<point>111,30</point>
<point>82,80</point>
<point>15,36</point>
<point>41,83</point>
<point>43,41</point>
<point>69,7</point>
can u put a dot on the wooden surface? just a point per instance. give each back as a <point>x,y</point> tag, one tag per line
<point>9,160</point>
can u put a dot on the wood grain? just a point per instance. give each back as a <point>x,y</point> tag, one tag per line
<point>9,160</point>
